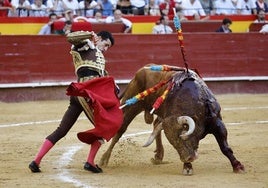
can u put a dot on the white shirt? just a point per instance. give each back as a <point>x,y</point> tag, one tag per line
<point>38,11</point>
<point>94,20</point>
<point>89,12</point>
<point>246,7</point>
<point>72,5</point>
<point>126,22</point>
<point>58,9</point>
<point>162,29</point>
<point>137,3</point>
<point>225,7</point>
<point>16,3</point>
<point>22,12</point>
<point>45,30</point>
<point>189,9</point>
<point>264,29</point>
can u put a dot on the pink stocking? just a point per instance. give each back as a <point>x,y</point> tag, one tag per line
<point>47,145</point>
<point>95,146</point>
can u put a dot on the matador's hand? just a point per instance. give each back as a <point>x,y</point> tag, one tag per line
<point>95,37</point>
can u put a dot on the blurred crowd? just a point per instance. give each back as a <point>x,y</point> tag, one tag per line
<point>88,8</point>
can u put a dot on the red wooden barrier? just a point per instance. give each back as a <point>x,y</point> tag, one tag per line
<point>34,60</point>
<point>198,26</point>
<point>112,27</point>
<point>76,26</point>
<point>25,59</point>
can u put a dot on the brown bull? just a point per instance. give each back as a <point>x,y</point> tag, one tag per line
<point>188,114</point>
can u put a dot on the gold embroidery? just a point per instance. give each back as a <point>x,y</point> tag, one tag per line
<point>98,66</point>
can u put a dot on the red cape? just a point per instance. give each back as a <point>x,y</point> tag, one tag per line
<point>107,115</point>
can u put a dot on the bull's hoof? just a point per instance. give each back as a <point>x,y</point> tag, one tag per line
<point>104,160</point>
<point>239,168</point>
<point>187,169</point>
<point>156,161</point>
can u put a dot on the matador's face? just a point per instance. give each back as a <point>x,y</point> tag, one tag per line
<point>104,45</point>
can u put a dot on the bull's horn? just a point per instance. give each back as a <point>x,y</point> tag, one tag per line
<point>189,121</point>
<point>155,132</point>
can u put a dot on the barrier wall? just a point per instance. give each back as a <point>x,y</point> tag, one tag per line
<point>34,61</point>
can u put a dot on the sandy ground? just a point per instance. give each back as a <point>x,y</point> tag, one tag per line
<point>23,127</point>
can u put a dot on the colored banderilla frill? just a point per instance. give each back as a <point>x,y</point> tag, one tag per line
<point>161,99</point>
<point>164,68</point>
<point>153,89</point>
<point>143,94</point>
<point>177,25</point>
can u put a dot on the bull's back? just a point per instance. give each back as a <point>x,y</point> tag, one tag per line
<point>189,96</point>
<point>145,79</point>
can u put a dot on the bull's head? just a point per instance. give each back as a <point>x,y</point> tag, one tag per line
<point>180,133</point>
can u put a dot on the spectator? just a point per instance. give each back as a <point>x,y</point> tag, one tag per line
<point>226,22</point>
<point>71,5</point>
<point>192,8</point>
<point>55,6</point>
<point>5,7</point>
<point>124,6</point>
<point>66,29</point>
<point>138,6</point>
<point>117,18</point>
<point>234,2</point>
<point>46,29</point>
<point>38,9</point>
<point>224,7</point>
<point>197,17</point>
<point>97,18</point>
<point>86,8</point>
<point>152,9</point>
<point>166,7</point>
<point>260,17</point>
<point>80,19</point>
<point>106,7</point>
<point>261,4</point>
<point>246,7</point>
<point>114,2</point>
<point>264,29</point>
<point>22,8</point>
<point>181,16</point>
<point>208,6</point>
<point>67,15</point>
<point>162,26</point>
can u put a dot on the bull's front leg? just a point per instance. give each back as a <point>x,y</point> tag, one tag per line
<point>159,151</point>
<point>156,135</point>
<point>221,136</point>
<point>106,156</point>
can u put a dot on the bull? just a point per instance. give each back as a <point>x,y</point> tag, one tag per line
<point>189,112</point>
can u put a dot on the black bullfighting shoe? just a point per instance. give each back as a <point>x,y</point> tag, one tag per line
<point>34,167</point>
<point>91,168</point>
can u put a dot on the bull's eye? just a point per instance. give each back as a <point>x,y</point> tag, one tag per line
<point>185,127</point>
